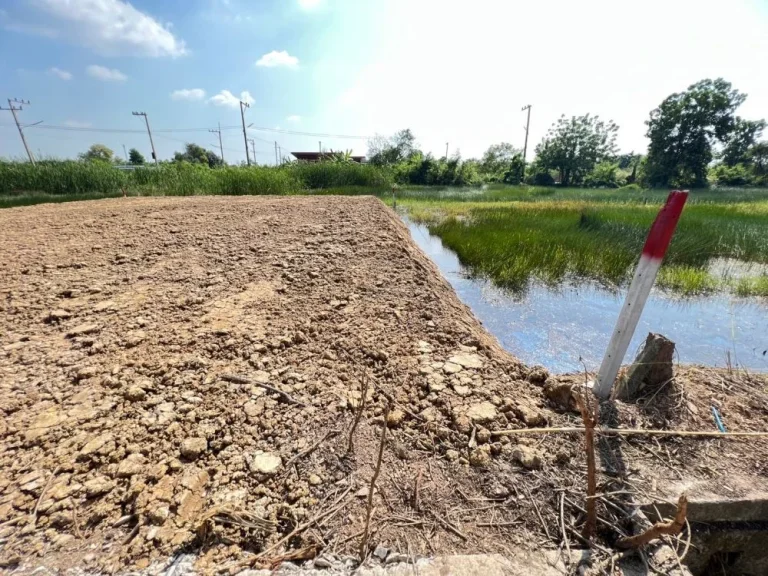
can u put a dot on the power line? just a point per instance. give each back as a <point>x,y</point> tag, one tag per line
<point>316,134</point>
<point>202,129</point>
<point>113,130</point>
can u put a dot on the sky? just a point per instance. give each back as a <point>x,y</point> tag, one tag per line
<point>454,72</point>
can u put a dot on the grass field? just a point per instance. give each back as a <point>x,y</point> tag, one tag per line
<point>517,235</point>
<point>75,179</point>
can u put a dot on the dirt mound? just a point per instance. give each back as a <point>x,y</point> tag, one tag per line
<point>138,334</point>
<point>184,374</point>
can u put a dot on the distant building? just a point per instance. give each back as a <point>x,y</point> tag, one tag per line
<point>317,157</point>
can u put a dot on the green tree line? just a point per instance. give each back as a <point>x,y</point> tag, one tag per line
<point>696,138</point>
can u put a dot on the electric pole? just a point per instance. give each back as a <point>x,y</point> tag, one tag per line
<point>125,153</point>
<point>320,147</point>
<point>446,150</point>
<point>13,110</point>
<point>221,146</point>
<point>527,126</point>
<point>243,106</point>
<point>151,142</point>
<point>275,152</point>
<point>253,148</point>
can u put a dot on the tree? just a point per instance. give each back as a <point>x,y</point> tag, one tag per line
<point>496,161</point>
<point>758,157</point>
<point>135,157</point>
<point>383,151</point>
<point>683,129</point>
<point>740,140</point>
<point>339,157</point>
<point>195,154</point>
<point>515,171</point>
<point>97,152</point>
<point>573,146</point>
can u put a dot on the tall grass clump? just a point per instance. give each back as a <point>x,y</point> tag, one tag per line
<point>60,177</point>
<point>319,175</point>
<point>556,241</point>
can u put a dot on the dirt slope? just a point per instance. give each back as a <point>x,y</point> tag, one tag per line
<point>120,319</point>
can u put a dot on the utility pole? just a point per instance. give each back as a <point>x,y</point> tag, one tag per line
<point>527,126</point>
<point>13,110</point>
<point>151,142</point>
<point>243,106</point>
<point>275,152</point>
<point>221,146</point>
<point>446,150</point>
<point>320,147</point>
<point>125,153</point>
<point>253,148</point>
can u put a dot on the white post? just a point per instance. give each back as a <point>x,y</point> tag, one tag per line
<point>645,275</point>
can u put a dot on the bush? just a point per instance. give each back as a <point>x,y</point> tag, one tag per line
<point>738,175</point>
<point>603,175</point>
<point>540,178</point>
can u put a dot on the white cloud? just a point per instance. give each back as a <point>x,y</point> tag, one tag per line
<point>63,74</point>
<point>293,118</point>
<point>106,74</point>
<point>275,58</point>
<point>226,98</point>
<point>77,124</point>
<point>113,27</point>
<point>190,94</point>
<point>309,4</point>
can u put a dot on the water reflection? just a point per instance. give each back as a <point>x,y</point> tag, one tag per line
<point>556,327</point>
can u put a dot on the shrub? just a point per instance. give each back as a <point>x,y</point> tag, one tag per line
<point>738,175</point>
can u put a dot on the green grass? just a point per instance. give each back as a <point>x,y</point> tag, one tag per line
<point>76,178</point>
<point>518,235</point>
<point>757,286</point>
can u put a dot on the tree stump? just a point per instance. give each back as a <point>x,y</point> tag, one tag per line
<point>651,369</point>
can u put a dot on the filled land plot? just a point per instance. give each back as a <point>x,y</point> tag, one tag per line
<point>187,373</point>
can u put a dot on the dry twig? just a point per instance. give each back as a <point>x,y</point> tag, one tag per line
<point>589,417</point>
<point>243,380</point>
<point>660,528</point>
<point>369,503</point>
<point>632,432</point>
<point>332,510</point>
<point>311,449</point>
<point>360,409</point>
<point>40,499</point>
<point>416,487</point>
<point>562,525</point>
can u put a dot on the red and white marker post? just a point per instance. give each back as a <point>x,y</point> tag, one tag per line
<point>645,275</point>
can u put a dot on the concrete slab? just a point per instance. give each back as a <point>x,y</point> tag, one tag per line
<point>733,499</point>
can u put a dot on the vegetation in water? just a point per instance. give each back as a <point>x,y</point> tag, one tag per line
<point>516,235</point>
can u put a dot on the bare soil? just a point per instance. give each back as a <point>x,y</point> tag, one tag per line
<point>137,336</point>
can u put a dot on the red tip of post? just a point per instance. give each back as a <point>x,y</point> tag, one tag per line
<point>664,226</point>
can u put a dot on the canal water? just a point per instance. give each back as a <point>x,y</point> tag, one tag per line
<point>561,327</point>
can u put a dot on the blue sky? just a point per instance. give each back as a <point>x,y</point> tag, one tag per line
<point>455,72</point>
